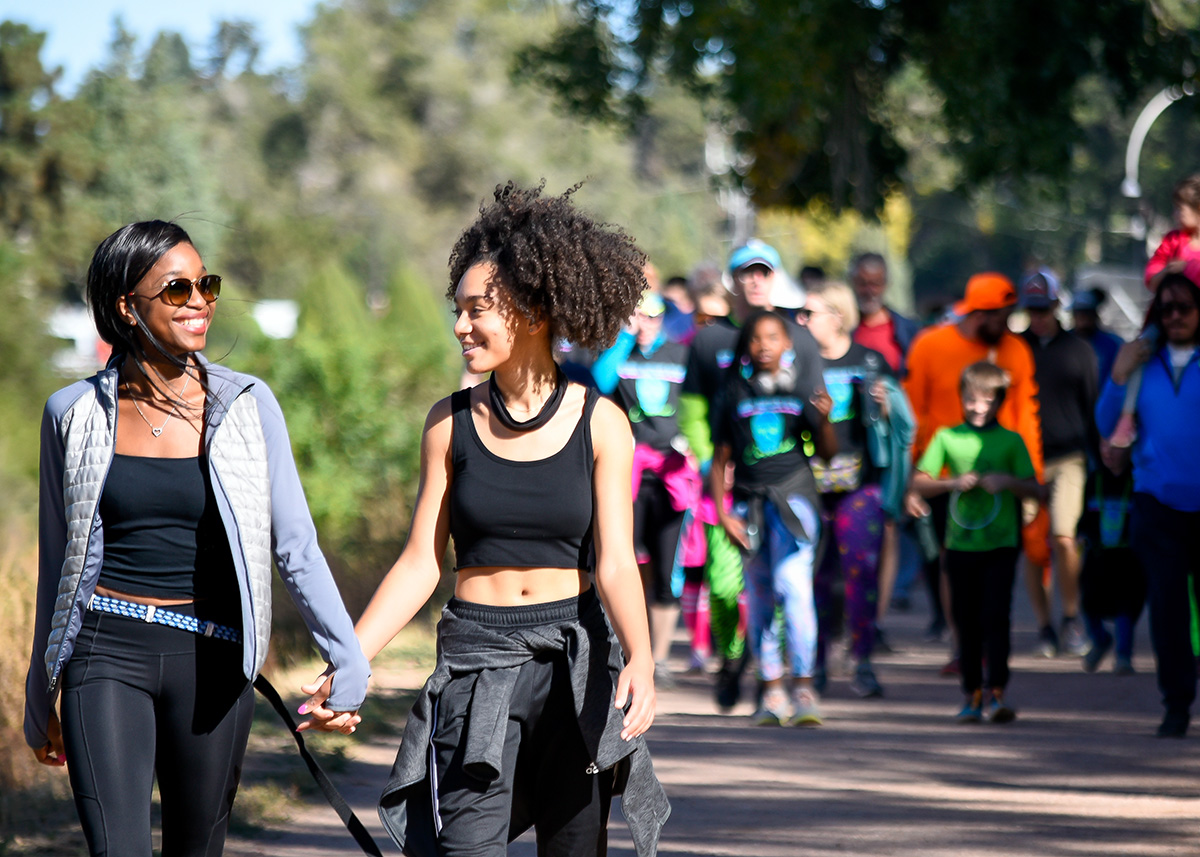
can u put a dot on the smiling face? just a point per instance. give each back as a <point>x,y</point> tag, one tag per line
<point>177,330</point>
<point>979,406</point>
<point>768,343</point>
<point>486,321</point>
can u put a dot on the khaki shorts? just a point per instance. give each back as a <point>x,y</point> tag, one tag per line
<point>1066,477</point>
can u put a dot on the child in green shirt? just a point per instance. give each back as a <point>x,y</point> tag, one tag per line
<point>986,469</point>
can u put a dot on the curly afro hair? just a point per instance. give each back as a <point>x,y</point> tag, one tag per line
<point>583,277</point>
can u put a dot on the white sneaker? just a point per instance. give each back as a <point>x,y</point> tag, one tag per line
<point>805,710</point>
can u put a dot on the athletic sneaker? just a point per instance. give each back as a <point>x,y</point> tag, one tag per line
<point>805,711</point>
<point>998,711</point>
<point>728,687</point>
<point>952,667</point>
<point>864,684</point>
<point>1047,645</point>
<point>1072,639</point>
<point>1096,653</point>
<point>1174,723</point>
<point>972,710</point>
<point>773,710</point>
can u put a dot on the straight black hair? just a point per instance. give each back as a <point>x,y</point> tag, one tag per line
<point>118,265</point>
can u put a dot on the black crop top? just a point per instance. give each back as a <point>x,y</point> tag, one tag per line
<point>520,514</point>
<point>163,535</point>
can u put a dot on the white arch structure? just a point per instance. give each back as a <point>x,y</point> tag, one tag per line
<point>1133,152</point>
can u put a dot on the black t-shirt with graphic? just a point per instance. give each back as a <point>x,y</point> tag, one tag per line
<point>712,352</point>
<point>648,389</point>
<point>847,379</point>
<point>765,432</point>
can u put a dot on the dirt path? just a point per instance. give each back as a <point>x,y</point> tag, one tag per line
<point>1078,773</point>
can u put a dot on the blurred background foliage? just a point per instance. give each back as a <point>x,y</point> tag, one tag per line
<point>951,137</point>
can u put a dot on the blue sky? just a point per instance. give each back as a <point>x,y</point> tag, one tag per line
<point>79,31</point>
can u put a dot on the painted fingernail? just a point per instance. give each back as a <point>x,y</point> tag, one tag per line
<point>303,709</point>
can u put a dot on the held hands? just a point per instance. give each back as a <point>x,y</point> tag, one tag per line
<point>52,752</point>
<point>324,719</point>
<point>636,681</point>
<point>1130,357</point>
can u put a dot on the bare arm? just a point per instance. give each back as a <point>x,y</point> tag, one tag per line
<point>927,486</point>
<point>414,576</point>
<point>994,483</point>
<point>617,579</point>
<point>734,526</point>
<point>824,437</point>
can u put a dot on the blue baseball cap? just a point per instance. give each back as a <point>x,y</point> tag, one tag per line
<point>1039,290</point>
<point>754,252</point>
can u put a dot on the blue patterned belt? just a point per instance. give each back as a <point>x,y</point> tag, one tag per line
<point>158,616</point>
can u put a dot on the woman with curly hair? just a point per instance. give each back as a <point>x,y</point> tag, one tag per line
<point>535,711</point>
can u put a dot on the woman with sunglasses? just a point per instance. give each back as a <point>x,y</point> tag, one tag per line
<point>1165,515</point>
<point>534,713</point>
<point>168,488</point>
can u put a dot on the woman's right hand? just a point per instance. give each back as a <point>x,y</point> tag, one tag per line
<point>52,752</point>
<point>1129,358</point>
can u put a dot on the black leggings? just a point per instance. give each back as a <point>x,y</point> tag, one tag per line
<point>981,585</point>
<point>656,531</point>
<point>547,780</point>
<point>140,700</point>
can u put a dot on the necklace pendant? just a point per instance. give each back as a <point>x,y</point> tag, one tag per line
<point>156,431</point>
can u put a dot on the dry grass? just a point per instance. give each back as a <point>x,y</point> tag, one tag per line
<point>31,796</point>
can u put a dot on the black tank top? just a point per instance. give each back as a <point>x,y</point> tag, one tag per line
<point>163,535</point>
<point>520,514</point>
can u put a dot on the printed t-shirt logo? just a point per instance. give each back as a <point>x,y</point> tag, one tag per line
<point>652,384</point>
<point>725,358</point>
<point>840,384</point>
<point>768,426</point>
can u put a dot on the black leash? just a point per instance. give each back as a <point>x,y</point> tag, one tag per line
<point>356,828</point>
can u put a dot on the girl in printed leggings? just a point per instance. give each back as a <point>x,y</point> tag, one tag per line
<point>849,483</point>
<point>764,420</point>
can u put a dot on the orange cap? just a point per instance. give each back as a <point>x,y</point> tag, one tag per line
<point>985,292</point>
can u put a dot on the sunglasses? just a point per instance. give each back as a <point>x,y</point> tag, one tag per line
<point>1170,308</point>
<point>179,292</point>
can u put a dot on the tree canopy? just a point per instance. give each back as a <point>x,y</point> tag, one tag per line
<point>805,86</point>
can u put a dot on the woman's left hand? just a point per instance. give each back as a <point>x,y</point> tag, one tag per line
<point>325,719</point>
<point>636,681</point>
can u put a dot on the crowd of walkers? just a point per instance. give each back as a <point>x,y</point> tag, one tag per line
<point>801,444</point>
<point>766,452</point>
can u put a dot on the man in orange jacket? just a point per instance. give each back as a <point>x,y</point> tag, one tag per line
<point>937,359</point>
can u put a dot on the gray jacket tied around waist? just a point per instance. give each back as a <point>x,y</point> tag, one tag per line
<point>591,650</point>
